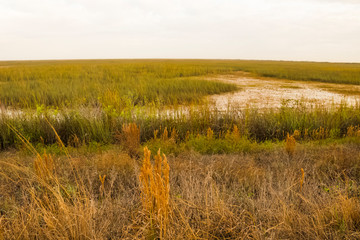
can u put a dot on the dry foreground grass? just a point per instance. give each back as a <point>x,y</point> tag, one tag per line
<point>222,172</point>
<point>311,194</point>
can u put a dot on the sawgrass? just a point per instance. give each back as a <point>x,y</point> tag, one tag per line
<point>124,83</point>
<point>79,129</point>
<point>117,83</point>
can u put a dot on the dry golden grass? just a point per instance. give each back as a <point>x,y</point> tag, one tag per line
<point>1,233</point>
<point>74,141</point>
<point>44,167</point>
<point>131,138</point>
<point>49,209</point>
<point>297,135</point>
<point>233,135</point>
<point>247,196</point>
<point>290,145</point>
<point>320,133</point>
<point>118,161</point>
<point>236,132</point>
<point>165,135</point>
<point>209,134</point>
<point>302,178</point>
<point>174,135</point>
<point>155,191</point>
<point>353,131</point>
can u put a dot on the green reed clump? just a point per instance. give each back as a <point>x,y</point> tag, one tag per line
<point>104,128</point>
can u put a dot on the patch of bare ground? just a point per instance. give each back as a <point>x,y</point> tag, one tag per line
<point>267,93</point>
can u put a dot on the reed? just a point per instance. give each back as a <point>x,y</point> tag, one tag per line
<point>78,129</point>
<point>102,186</point>
<point>209,134</point>
<point>155,190</point>
<point>44,167</point>
<point>131,138</point>
<point>353,131</point>
<point>290,145</point>
<point>302,179</point>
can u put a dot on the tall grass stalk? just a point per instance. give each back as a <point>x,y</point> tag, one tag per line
<point>155,190</point>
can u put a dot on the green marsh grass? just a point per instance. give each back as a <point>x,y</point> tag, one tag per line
<point>254,125</point>
<point>119,83</point>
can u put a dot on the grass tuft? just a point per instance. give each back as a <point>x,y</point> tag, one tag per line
<point>155,191</point>
<point>131,138</point>
<point>290,145</point>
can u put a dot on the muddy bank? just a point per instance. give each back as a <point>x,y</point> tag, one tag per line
<point>268,93</point>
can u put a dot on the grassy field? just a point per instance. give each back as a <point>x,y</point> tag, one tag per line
<point>121,83</point>
<point>345,73</point>
<point>116,83</point>
<point>79,158</point>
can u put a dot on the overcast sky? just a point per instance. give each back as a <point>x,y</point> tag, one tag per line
<point>313,30</point>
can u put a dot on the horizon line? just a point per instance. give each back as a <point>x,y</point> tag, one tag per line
<point>202,59</point>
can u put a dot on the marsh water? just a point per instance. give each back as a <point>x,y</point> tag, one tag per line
<point>274,93</point>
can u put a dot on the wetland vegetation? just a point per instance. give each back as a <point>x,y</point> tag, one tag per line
<point>79,159</point>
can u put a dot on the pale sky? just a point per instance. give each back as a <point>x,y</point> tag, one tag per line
<point>311,30</point>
